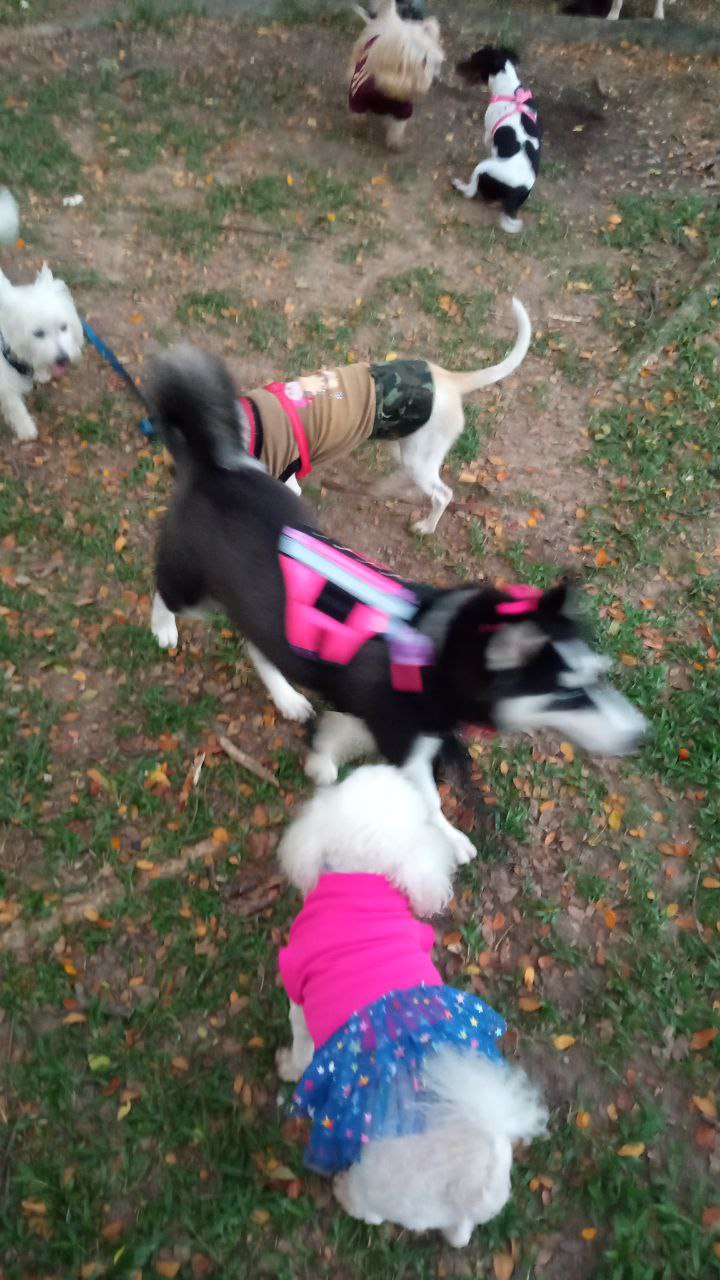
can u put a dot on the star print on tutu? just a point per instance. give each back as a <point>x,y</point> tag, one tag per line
<point>365,1082</point>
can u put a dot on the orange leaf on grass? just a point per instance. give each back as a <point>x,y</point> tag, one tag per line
<point>168,1269</point>
<point>563,1042</point>
<point>631,1149</point>
<point>711,1215</point>
<point>113,1229</point>
<point>601,557</point>
<point>705,1137</point>
<point>705,1106</point>
<point>503,1266</point>
<point>702,1039</point>
<point>529,1004</point>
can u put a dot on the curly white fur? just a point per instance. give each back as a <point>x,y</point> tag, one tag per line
<point>375,821</point>
<point>41,328</point>
<point>456,1173</point>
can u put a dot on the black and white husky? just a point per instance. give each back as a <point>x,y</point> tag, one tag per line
<point>512,136</point>
<point>404,664</point>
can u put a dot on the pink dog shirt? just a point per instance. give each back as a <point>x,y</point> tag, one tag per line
<point>354,940</point>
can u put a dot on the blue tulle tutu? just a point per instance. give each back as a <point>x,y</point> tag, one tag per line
<point>365,1082</point>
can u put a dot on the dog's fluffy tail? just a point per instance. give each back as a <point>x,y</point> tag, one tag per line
<point>194,403</point>
<point>477,378</point>
<point>489,1097</point>
<point>9,217</point>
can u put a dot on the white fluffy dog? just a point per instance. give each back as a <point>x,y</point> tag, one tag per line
<point>413,1108</point>
<point>40,336</point>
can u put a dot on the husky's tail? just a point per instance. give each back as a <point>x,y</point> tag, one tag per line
<point>9,217</point>
<point>194,402</point>
<point>477,378</point>
<point>488,1097</point>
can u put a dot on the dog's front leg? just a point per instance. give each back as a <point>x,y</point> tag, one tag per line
<point>468,189</point>
<point>163,624</point>
<point>290,702</point>
<point>292,1061</point>
<point>17,417</point>
<point>418,770</point>
<point>395,133</point>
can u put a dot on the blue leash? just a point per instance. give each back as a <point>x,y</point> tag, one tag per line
<point>145,424</point>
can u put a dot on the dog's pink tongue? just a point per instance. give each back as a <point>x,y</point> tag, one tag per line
<point>58,369</point>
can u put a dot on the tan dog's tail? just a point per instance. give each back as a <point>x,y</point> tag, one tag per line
<point>464,383</point>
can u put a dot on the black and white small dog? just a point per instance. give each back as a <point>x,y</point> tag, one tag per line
<point>604,9</point>
<point>404,664</point>
<point>512,134</point>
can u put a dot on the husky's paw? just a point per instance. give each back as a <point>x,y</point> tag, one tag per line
<point>293,705</point>
<point>322,769</point>
<point>285,1066</point>
<point>25,430</point>
<point>463,848</point>
<point>166,633</point>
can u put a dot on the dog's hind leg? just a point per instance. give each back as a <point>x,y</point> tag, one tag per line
<point>418,770</point>
<point>163,624</point>
<point>292,1061</point>
<point>424,453</point>
<point>337,739</point>
<point>459,1234</point>
<point>290,702</point>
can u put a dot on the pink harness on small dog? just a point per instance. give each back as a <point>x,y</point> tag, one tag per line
<point>518,99</point>
<point>336,602</point>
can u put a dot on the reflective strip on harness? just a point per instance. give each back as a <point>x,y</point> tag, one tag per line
<point>335,603</point>
<point>279,390</point>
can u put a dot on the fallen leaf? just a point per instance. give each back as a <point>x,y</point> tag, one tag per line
<point>168,1269</point>
<point>220,835</point>
<point>180,1064</point>
<point>33,1206</point>
<point>113,1229</point>
<point>631,1149</point>
<point>705,1137</point>
<point>73,1019</point>
<point>582,1119</point>
<point>610,918</point>
<point>563,1042</point>
<point>98,1061</point>
<point>710,882</point>
<point>567,752</point>
<point>705,1106</point>
<point>711,1215</point>
<point>529,1004</point>
<point>702,1039</point>
<point>503,1266</point>
<point>601,558</point>
<point>615,819</point>
<point>588,1233</point>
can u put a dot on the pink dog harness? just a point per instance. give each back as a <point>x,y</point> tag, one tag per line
<point>336,601</point>
<point>518,99</point>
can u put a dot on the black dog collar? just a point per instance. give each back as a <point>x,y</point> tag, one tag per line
<point>20,366</point>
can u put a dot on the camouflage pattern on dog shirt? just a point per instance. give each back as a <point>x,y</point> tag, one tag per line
<point>339,409</point>
<point>404,392</point>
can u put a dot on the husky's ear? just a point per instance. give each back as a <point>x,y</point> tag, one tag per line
<point>513,645</point>
<point>561,599</point>
<point>44,275</point>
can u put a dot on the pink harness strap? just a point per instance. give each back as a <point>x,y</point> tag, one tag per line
<point>518,99</point>
<point>278,389</point>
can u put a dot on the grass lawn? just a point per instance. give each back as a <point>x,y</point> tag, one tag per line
<point>228,200</point>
